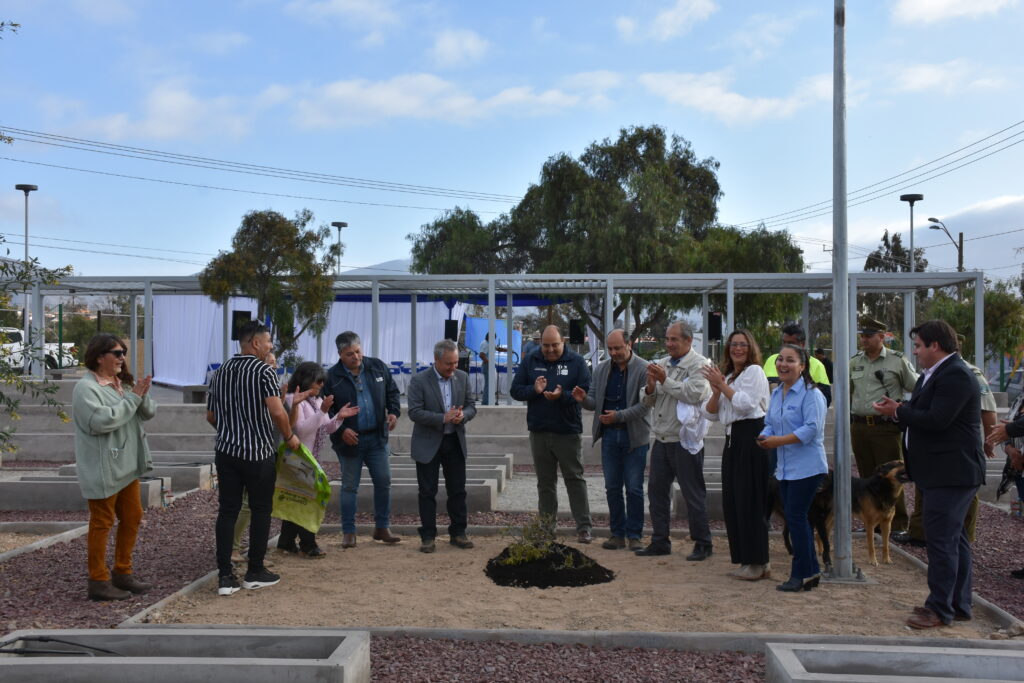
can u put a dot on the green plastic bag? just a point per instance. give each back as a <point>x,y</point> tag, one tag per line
<point>302,489</point>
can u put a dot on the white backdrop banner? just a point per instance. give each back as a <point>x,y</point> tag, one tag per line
<point>188,333</point>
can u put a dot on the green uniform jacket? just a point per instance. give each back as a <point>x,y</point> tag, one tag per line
<point>988,401</point>
<point>897,378</point>
<point>110,444</point>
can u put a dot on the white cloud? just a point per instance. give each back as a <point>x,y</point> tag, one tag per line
<point>171,111</point>
<point>457,47</point>
<point>219,42</point>
<point>372,16</point>
<point>948,77</point>
<point>417,96</point>
<point>709,92</point>
<point>593,85</point>
<point>762,34</point>
<point>105,11</point>
<point>931,11</point>
<point>669,23</point>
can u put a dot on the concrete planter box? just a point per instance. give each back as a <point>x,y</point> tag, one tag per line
<point>174,655</point>
<point>890,664</point>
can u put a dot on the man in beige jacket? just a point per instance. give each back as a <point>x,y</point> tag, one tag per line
<point>674,378</point>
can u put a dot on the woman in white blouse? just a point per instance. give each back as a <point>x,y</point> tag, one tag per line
<point>739,400</point>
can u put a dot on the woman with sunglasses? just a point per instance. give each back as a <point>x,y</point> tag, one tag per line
<point>111,454</point>
<point>739,400</point>
<point>795,427</point>
<point>311,423</point>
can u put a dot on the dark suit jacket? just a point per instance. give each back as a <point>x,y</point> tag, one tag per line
<point>377,375</point>
<point>942,420</point>
<point>426,410</point>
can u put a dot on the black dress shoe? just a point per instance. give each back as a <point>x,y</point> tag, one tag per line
<point>700,553</point>
<point>904,538</point>
<point>792,585</point>
<point>653,550</point>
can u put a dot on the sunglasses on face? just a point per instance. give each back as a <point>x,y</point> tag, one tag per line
<point>118,353</point>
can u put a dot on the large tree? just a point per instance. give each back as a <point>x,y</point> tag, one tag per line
<point>643,203</point>
<point>282,264</point>
<point>891,257</point>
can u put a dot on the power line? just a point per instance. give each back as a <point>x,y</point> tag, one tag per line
<point>228,189</point>
<point>852,193</point>
<point>105,244</point>
<point>97,147</point>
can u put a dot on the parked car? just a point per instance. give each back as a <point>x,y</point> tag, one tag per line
<point>55,355</point>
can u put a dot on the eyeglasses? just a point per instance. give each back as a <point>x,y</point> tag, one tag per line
<point>739,345</point>
<point>118,353</point>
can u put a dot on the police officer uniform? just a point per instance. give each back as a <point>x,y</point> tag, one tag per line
<point>876,439</point>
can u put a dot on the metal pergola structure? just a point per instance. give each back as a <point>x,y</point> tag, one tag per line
<point>507,286</point>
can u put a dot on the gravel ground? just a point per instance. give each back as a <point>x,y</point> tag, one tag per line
<point>413,659</point>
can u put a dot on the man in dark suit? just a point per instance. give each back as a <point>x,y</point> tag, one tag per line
<point>439,407</point>
<point>944,457</point>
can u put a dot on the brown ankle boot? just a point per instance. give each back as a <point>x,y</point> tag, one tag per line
<point>103,590</point>
<point>128,582</point>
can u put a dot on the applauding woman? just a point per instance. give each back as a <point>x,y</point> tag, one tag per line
<point>111,454</point>
<point>739,400</point>
<point>312,424</point>
<point>795,426</point>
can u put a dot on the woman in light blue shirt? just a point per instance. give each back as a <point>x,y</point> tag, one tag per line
<point>795,427</point>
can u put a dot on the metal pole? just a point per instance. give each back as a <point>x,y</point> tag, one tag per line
<point>225,323</point>
<point>609,307</point>
<point>38,332</point>
<point>492,337</point>
<point>148,325</point>
<point>705,342</point>
<point>979,320</point>
<point>60,336</point>
<point>730,307</point>
<point>843,558</point>
<point>375,319</point>
<point>133,320</point>
<point>413,360</point>
<point>805,321</point>
<point>508,348</point>
<point>960,254</point>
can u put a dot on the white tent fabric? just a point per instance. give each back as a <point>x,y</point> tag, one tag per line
<point>187,337</point>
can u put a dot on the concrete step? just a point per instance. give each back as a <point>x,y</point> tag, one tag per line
<point>169,418</point>
<point>495,472</point>
<point>62,493</point>
<point>183,477</point>
<point>481,496</point>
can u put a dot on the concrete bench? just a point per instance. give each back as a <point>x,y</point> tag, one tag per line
<point>183,477</point>
<point>714,501</point>
<point>495,472</point>
<point>62,493</point>
<point>481,495</point>
<point>190,393</point>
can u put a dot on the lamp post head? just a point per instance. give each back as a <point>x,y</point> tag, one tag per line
<point>26,188</point>
<point>339,224</point>
<point>934,227</point>
<point>911,198</point>
<point>935,220</point>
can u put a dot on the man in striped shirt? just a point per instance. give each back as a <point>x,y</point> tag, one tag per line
<point>244,406</point>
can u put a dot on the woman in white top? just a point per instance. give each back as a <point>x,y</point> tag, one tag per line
<point>739,399</point>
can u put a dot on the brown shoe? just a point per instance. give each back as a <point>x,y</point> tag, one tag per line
<point>348,540</point>
<point>104,590</point>
<point>427,545</point>
<point>923,618</point>
<point>614,543</point>
<point>957,616</point>
<point>634,544</point>
<point>461,542</point>
<point>583,536</point>
<point>385,536</point>
<point>128,582</point>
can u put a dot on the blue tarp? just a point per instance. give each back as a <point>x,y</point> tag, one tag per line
<point>476,328</point>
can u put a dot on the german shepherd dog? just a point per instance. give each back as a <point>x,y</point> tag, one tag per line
<point>873,500</point>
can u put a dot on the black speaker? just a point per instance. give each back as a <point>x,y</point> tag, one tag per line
<point>714,326</point>
<point>238,319</point>
<point>451,330</point>
<point>575,331</point>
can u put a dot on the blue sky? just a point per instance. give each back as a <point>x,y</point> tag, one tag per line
<point>475,96</point>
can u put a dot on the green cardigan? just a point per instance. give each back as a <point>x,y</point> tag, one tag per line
<point>110,444</point>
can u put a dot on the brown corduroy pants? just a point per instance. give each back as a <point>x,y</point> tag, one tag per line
<point>126,507</point>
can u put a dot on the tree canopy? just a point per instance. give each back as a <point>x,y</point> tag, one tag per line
<point>284,266</point>
<point>643,203</point>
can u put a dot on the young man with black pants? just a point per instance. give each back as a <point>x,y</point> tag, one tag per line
<point>244,405</point>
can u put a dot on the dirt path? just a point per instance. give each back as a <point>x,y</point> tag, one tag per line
<point>374,585</point>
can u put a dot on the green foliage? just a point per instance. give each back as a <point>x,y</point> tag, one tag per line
<point>643,203</point>
<point>891,257</point>
<point>79,329</point>
<point>1004,317</point>
<point>532,542</point>
<point>281,264</point>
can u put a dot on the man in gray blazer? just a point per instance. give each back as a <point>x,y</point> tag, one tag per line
<point>440,406</point>
<point>624,429</point>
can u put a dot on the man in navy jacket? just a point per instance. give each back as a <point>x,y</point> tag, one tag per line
<point>363,439</point>
<point>945,458</point>
<point>545,381</point>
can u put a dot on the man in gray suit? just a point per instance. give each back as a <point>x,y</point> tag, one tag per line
<point>624,429</point>
<point>440,406</point>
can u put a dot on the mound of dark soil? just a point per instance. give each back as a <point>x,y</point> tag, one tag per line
<point>561,566</point>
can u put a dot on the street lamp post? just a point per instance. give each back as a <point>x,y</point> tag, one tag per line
<point>959,245</point>
<point>910,301</point>
<point>25,355</point>
<point>339,225</point>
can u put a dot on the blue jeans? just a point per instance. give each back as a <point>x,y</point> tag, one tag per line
<point>797,495</point>
<point>624,468</point>
<point>372,451</point>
